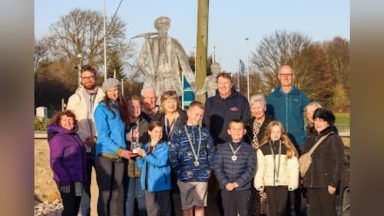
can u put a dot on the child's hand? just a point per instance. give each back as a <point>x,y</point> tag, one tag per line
<point>141,152</point>
<point>235,184</point>
<point>229,187</point>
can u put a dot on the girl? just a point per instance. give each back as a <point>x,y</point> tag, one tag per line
<point>278,168</point>
<point>155,175</point>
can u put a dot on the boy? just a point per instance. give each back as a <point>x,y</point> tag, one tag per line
<point>235,166</point>
<point>192,157</point>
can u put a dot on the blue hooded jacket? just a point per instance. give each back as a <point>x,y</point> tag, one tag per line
<point>289,110</point>
<point>159,170</point>
<point>110,129</point>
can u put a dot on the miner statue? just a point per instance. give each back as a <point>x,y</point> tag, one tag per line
<point>163,60</point>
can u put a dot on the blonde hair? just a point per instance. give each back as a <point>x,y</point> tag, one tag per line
<point>170,94</point>
<point>291,150</point>
<point>197,104</point>
<point>313,103</point>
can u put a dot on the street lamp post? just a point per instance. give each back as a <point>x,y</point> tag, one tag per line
<point>80,57</point>
<point>247,44</point>
<point>105,45</point>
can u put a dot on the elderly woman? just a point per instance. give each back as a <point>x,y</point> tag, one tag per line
<point>170,114</point>
<point>324,173</point>
<point>255,132</point>
<point>172,118</point>
<point>308,114</point>
<point>110,116</point>
<point>67,158</point>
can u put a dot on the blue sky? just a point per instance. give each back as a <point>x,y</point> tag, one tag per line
<point>230,22</point>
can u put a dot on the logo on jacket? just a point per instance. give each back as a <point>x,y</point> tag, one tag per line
<point>234,109</point>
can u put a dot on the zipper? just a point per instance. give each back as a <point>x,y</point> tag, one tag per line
<point>286,113</point>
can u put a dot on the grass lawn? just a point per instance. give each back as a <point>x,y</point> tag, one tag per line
<point>343,121</point>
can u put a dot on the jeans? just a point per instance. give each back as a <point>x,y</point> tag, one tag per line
<point>86,196</point>
<point>134,190</point>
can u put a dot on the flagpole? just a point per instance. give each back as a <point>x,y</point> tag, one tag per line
<point>247,39</point>
<point>238,77</point>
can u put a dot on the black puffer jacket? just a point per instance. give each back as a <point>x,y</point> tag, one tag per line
<point>327,160</point>
<point>241,171</point>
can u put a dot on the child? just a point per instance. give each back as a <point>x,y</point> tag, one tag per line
<point>155,175</point>
<point>192,156</point>
<point>278,168</point>
<point>235,166</point>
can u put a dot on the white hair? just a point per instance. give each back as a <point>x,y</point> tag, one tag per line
<point>146,89</point>
<point>257,98</point>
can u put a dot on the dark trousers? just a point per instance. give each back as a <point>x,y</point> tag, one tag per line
<point>71,203</point>
<point>158,203</point>
<point>86,196</point>
<point>175,196</point>
<point>277,200</point>
<point>235,202</point>
<point>321,202</point>
<point>109,177</point>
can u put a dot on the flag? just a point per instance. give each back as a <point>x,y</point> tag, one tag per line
<point>242,67</point>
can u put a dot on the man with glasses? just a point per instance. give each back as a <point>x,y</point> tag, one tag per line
<point>83,103</point>
<point>286,104</point>
<point>149,98</point>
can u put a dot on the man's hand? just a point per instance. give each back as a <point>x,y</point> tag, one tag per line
<point>331,190</point>
<point>229,187</point>
<point>235,185</point>
<point>90,142</point>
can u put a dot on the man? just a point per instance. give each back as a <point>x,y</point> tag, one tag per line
<point>83,103</point>
<point>161,58</point>
<point>225,106</point>
<point>286,104</point>
<point>137,128</point>
<point>222,108</point>
<point>148,97</point>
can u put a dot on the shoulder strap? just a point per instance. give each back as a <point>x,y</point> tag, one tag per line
<point>319,142</point>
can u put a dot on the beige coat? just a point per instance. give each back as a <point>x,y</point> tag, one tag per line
<point>288,174</point>
<point>77,104</point>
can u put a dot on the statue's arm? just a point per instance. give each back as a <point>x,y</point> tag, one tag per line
<point>145,60</point>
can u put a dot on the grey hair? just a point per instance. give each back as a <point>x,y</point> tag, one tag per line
<point>257,98</point>
<point>313,103</point>
<point>143,90</point>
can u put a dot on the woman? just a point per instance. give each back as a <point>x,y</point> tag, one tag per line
<point>170,115</point>
<point>173,118</point>
<point>67,158</point>
<point>256,129</point>
<point>308,114</point>
<point>323,176</point>
<point>155,175</point>
<point>110,116</point>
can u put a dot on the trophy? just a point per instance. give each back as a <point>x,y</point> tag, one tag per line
<point>135,144</point>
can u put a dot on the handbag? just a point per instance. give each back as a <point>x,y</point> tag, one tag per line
<point>305,160</point>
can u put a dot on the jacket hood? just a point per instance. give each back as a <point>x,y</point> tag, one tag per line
<point>233,94</point>
<point>294,91</point>
<point>54,129</point>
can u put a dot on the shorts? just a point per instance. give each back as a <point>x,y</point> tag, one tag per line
<point>193,194</point>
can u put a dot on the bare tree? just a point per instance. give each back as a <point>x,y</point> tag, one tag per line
<point>81,32</point>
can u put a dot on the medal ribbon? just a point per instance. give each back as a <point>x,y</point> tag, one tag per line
<point>196,156</point>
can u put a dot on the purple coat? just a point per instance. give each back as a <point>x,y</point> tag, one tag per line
<point>67,155</point>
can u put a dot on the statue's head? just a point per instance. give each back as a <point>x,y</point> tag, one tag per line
<point>162,24</point>
<point>215,68</point>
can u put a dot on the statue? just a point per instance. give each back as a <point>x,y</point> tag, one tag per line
<point>161,58</point>
<point>210,84</point>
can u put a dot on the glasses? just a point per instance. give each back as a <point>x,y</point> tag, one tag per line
<point>88,78</point>
<point>286,75</point>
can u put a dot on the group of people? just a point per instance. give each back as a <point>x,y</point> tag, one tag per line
<point>163,160</point>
